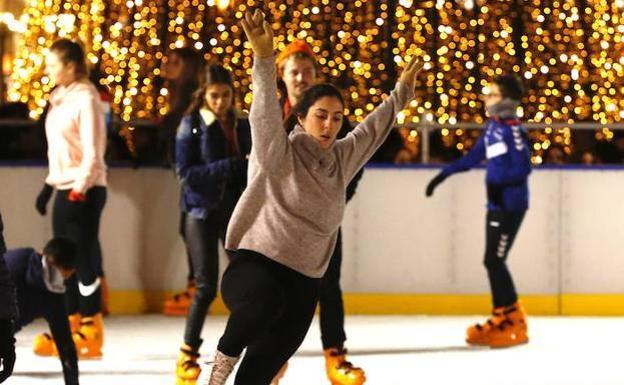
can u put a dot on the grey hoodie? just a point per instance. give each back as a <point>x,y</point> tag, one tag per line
<point>294,201</point>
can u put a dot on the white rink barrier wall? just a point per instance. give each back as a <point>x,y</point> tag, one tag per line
<point>403,253</point>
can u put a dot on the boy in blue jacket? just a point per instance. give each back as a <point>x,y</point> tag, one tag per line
<point>505,145</point>
<point>39,284</point>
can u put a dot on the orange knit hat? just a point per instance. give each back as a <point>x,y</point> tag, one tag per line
<point>297,46</point>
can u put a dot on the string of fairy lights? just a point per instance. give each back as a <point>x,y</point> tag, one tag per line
<point>570,54</point>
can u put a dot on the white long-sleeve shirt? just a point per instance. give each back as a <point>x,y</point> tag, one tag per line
<point>76,135</point>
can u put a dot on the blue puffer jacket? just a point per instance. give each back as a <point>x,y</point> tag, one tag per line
<point>209,176</point>
<point>505,145</point>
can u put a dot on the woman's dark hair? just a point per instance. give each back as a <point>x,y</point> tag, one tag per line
<point>307,100</point>
<point>181,95</point>
<point>71,52</point>
<point>510,86</point>
<point>214,74</point>
<point>192,64</point>
<point>62,251</point>
<point>181,89</point>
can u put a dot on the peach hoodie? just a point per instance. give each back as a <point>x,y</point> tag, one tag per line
<point>76,135</point>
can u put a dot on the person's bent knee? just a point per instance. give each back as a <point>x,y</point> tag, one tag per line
<point>206,292</point>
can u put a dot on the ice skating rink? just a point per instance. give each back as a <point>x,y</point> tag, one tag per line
<point>394,350</point>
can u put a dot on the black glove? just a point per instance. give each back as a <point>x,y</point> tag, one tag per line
<point>43,198</point>
<point>7,349</point>
<point>434,183</point>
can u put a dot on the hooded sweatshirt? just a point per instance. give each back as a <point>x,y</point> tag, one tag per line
<point>295,197</point>
<point>76,136</point>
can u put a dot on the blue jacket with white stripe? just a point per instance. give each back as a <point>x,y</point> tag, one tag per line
<point>505,145</point>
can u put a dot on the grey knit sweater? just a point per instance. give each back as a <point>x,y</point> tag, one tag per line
<point>294,201</point>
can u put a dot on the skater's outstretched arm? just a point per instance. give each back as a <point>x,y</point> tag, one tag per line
<point>361,143</point>
<point>473,158</point>
<point>56,317</point>
<point>269,138</point>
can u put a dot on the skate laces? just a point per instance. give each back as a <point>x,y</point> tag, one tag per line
<point>507,321</point>
<point>500,318</point>
<point>191,358</point>
<point>343,364</point>
<point>186,294</point>
<point>494,321</point>
<point>87,322</point>
<point>222,367</point>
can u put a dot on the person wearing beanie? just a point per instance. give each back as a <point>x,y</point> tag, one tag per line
<point>297,69</point>
<point>505,145</point>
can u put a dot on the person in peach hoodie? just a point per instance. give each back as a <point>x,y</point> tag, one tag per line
<point>76,136</point>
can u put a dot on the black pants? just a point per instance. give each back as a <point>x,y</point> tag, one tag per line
<point>80,221</point>
<point>189,260</point>
<point>330,300</point>
<point>2,244</point>
<point>271,309</point>
<point>502,227</point>
<point>202,242</point>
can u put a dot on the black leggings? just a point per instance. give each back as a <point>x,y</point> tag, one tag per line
<point>189,260</point>
<point>202,242</point>
<point>271,309</point>
<point>80,221</point>
<point>330,300</point>
<point>501,230</point>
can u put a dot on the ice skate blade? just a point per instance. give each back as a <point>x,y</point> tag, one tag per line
<point>90,355</point>
<point>182,381</point>
<point>175,312</point>
<point>505,346</point>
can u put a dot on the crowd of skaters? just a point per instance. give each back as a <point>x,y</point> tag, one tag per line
<point>271,186</point>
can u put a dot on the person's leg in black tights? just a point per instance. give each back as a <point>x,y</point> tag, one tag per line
<point>202,242</point>
<point>271,310</point>
<point>182,230</point>
<point>332,316</point>
<point>266,356</point>
<point>252,293</point>
<point>70,220</point>
<point>502,228</point>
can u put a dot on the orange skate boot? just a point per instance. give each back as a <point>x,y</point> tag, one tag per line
<point>340,371</point>
<point>179,304</point>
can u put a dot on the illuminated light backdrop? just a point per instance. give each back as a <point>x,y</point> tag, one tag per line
<point>569,53</point>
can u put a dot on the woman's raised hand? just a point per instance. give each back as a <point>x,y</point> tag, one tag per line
<point>259,33</point>
<point>410,73</point>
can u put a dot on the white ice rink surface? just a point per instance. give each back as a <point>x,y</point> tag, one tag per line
<point>405,350</point>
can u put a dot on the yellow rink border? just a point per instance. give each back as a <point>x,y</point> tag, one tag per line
<point>137,302</point>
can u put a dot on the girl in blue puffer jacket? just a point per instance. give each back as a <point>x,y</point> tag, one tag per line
<point>212,147</point>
